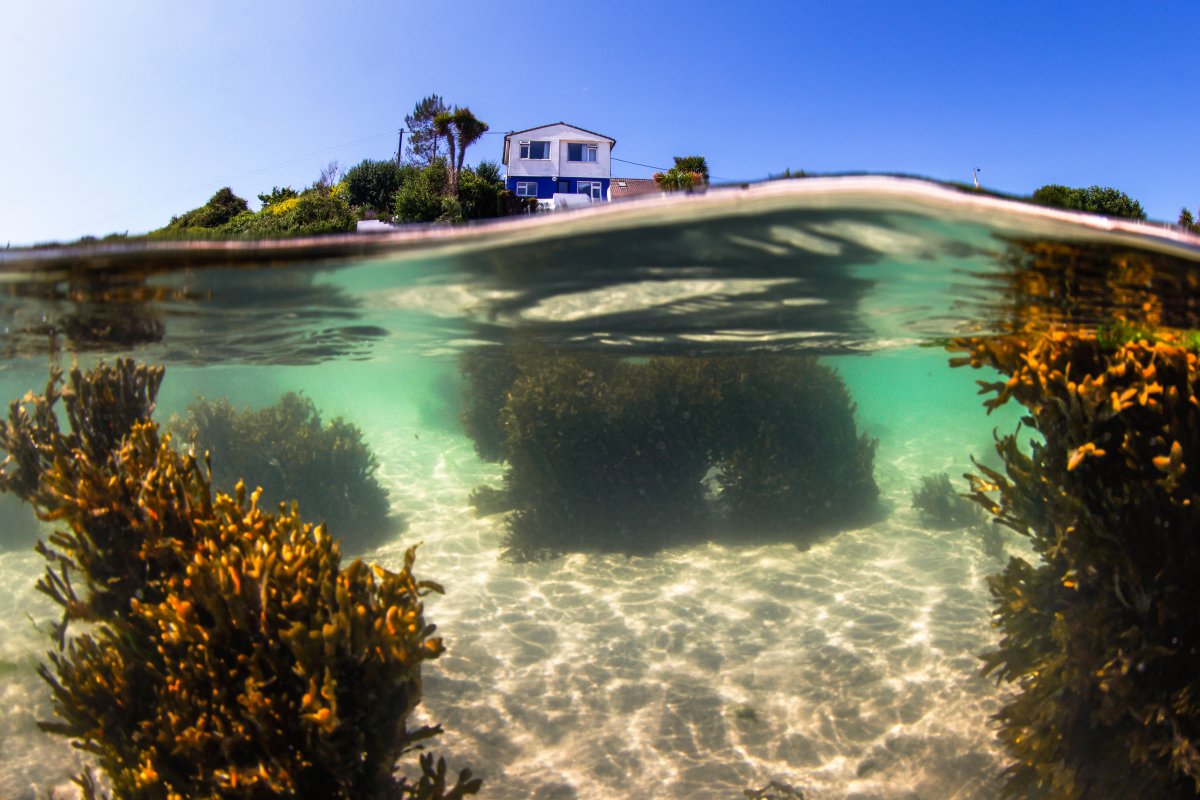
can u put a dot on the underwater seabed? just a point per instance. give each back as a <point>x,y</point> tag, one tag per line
<point>848,669</point>
<point>724,665</point>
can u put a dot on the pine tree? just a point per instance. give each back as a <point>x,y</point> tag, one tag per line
<point>1186,220</point>
<point>423,139</point>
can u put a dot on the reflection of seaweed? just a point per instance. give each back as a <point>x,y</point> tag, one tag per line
<point>89,309</point>
<point>612,453</point>
<point>1061,283</point>
<point>213,315</point>
<point>286,451</point>
<point>1100,635</point>
<point>228,653</point>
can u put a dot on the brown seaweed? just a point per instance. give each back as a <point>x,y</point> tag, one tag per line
<point>633,454</point>
<point>1100,637</point>
<point>229,653</point>
<point>940,506</point>
<point>289,452</point>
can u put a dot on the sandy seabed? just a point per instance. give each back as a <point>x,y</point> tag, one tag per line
<point>847,670</point>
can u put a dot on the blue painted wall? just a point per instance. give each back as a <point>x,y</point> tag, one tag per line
<point>547,186</point>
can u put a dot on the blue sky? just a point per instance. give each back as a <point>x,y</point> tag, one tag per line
<point>118,115</point>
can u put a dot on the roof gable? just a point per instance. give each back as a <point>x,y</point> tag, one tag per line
<point>562,125</point>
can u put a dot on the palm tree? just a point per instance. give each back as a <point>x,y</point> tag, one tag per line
<point>470,130</point>
<point>689,172</point>
<point>676,179</point>
<point>443,126</point>
<point>696,164</point>
<point>461,129</point>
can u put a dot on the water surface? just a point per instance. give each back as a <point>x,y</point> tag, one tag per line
<point>843,665</point>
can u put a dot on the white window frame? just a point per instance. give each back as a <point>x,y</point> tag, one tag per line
<point>526,146</point>
<point>589,153</point>
<point>523,187</point>
<point>595,189</point>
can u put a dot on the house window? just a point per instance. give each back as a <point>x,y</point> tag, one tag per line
<point>592,188</point>
<point>538,150</point>
<point>577,151</point>
<point>526,189</point>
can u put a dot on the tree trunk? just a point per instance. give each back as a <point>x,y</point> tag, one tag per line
<point>451,169</point>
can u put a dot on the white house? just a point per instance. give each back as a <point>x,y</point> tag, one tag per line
<point>558,159</point>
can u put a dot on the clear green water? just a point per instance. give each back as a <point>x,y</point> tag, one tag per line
<point>845,668</point>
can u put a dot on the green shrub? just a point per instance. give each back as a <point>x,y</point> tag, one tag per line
<point>1095,199</point>
<point>277,196</point>
<point>511,204</point>
<point>287,451</point>
<point>478,194</point>
<point>452,210</point>
<point>489,172</point>
<point>208,648</point>
<point>420,198</point>
<point>320,212</point>
<point>220,209</point>
<point>373,184</point>
<point>314,212</point>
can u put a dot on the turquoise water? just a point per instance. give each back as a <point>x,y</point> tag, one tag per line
<point>846,667</point>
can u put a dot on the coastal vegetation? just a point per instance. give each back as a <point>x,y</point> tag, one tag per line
<point>688,174</point>
<point>430,182</point>
<point>286,452</point>
<point>1095,199</point>
<point>418,196</point>
<point>321,208</point>
<point>435,185</point>
<point>1098,634</point>
<point>461,129</point>
<point>612,453</point>
<point>208,647</point>
<point>425,143</point>
<point>219,210</point>
<point>1188,222</point>
<point>372,185</point>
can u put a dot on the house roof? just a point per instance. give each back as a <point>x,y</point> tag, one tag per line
<point>567,124</point>
<point>510,134</point>
<point>632,187</point>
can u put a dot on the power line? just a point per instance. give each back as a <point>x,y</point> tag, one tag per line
<point>665,169</point>
<point>227,181</point>
<point>636,164</point>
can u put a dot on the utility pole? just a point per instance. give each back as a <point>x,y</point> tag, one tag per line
<point>400,147</point>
